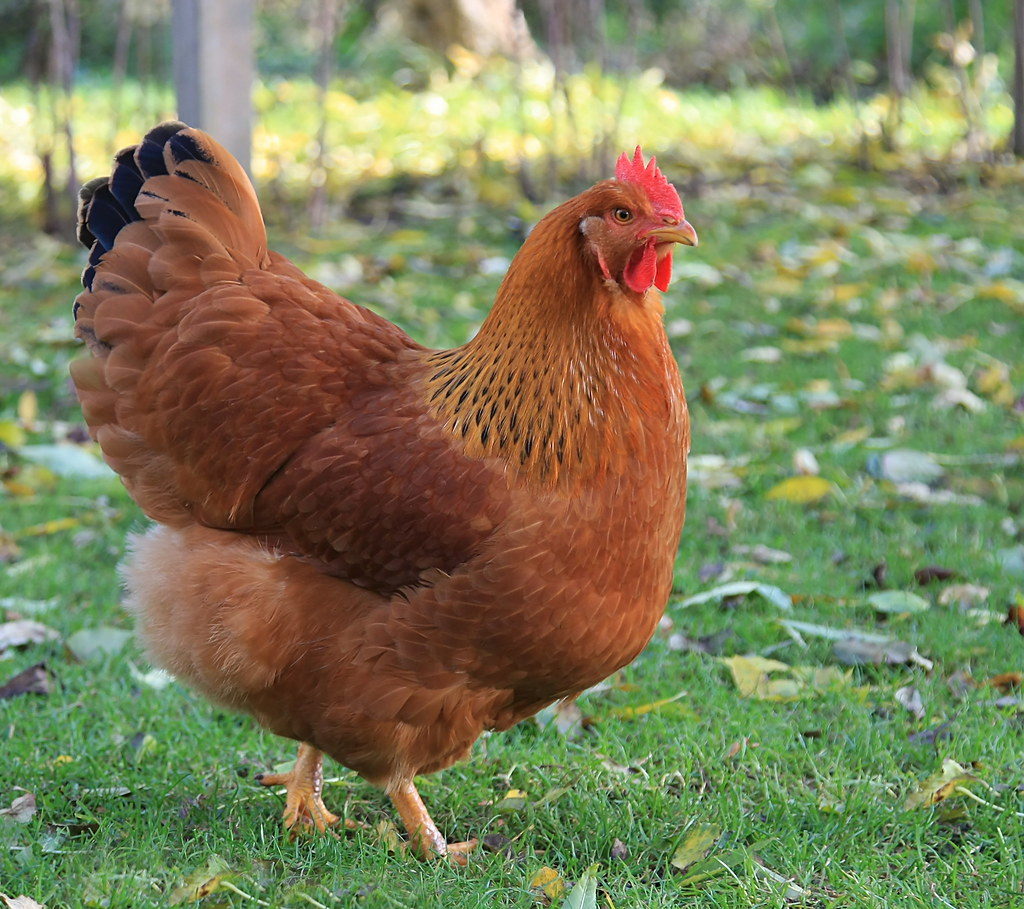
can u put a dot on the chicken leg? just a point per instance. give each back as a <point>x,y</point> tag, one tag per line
<point>304,808</point>
<point>424,837</point>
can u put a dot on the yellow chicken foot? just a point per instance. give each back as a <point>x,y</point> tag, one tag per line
<point>303,808</point>
<point>424,837</point>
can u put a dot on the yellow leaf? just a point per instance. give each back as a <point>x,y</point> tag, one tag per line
<point>549,882</point>
<point>751,674</point>
<point>753,678</point>
<point>28,409</point>
<point>11,434</point>
<point>514,800</point>
<point>836,329</point>
<point>995,384</point>
<point>802,490</point>
<point>54,526</point>
<point>18,489</point>
<point>810,346</point>
<point>853,436</point>
<point>999,290</point>
<point>628,713</point>
<point>940,785</point>
<point>843,293</point>
<point>696,846</point>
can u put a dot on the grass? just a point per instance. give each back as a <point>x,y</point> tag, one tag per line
<point>857,283</point>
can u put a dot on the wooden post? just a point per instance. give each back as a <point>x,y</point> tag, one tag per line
<point>214,69</point>
<point>1018,79</point>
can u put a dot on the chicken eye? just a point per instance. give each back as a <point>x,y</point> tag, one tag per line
<point>622,215</point>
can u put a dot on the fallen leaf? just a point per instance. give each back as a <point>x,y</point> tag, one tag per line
<point>20,902</point>
<point>697,846</point>
<point>960,683</point>
<point>620,851</point>
<point>23,632</point>
<point>1015,616</point>
<point>710,643</point>
<point>910,698</point>
<point>753,678</point>
<point>34,680</point>
<point>929,573</point>
<point>22,809</point>
<point>95,643</point>
<point>765,555</point>
<point>963,595</point>
<point>548,882</point>
<point>897,602</point>
<point>565,716</point>
<point>157,679</point>
<point>11,434</point>
<point>923,494</point>
<point>513,800</point>
<point>584,894</point>
<point>905,466</point>
<point>792,893</point>
<point>1005,681</point>
<point>857,652</point>
<point>940,785</point>
<point>804,462</point>
<point>629,713</point>
<point>496,842</point>
<point>50,527</point>
<point>773,595</point>
<point>833,634</point>
<point>202,882</point>
<point>802,490</point>
<point>932,735</point>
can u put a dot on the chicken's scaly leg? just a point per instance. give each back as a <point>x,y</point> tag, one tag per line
<point>425,838</point>
<point>304,783</point>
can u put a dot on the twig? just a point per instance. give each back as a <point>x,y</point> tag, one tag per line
<point>227,885</point>
<point>962,790</point>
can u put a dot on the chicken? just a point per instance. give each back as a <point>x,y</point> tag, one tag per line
<point>377,549</point>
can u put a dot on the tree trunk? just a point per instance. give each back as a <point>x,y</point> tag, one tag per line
<point>491,28</point>
<point>214,67</point>
<point>1018,79</point>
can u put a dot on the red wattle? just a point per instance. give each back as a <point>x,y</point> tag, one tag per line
<point>642,267</point>
<point>664,275</point>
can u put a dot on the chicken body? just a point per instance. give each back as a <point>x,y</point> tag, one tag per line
<point>378,549</point>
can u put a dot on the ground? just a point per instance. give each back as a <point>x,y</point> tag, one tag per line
<point>850,343</point>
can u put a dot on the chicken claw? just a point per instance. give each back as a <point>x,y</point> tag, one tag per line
<point>304,809</point>
<point>424,837</point>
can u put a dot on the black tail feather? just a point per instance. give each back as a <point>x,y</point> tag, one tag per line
<point>107,204</point>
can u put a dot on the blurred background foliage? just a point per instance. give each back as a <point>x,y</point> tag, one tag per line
<point>357,99</point>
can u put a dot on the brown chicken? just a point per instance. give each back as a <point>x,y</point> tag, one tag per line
<point>378,549</point>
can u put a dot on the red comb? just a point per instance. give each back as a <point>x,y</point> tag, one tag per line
<point>648,177</point>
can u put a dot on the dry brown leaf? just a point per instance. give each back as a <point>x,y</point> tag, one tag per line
<point>1005,681</point>
<point>34,680</point>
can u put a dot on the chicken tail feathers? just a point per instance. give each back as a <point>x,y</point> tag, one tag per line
<point>175,172</point>
<point>176,216</point>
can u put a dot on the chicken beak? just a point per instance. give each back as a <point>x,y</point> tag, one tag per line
<point>682,232</point>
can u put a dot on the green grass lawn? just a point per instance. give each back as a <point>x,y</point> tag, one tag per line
<point>827,321</point>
